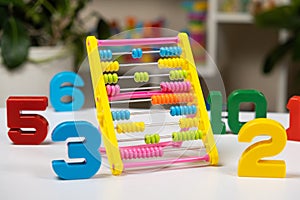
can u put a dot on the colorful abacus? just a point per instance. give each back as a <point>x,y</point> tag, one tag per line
<point>183,92</point>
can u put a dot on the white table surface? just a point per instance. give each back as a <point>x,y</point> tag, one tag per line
<point>26,172</point>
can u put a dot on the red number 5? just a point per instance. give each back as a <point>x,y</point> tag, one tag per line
<point>16,120</point>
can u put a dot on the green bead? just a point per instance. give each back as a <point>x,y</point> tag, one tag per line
<point>175,137</point>
<point>177,74</point>
<point>105,78</point>
<point>157,138</point>
<point>242,96</point>
<point>146,77</point>
<point>110,78</point>
<point>147,139</point>
<point>200,134</point>
<point>185,73</point>
<point>171,76</point>
<point>192,135</point>
<point>115,78</point>
<point>184,136</point>
<point>137,77</point>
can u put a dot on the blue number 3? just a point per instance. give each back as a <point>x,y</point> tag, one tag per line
<point>87,149</point>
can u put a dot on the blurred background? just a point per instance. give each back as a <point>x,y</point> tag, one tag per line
<point>254,43</point>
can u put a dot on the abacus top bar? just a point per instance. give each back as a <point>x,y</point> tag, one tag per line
<point>143,41</point>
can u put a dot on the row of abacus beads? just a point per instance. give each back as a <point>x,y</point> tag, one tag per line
<point>114,66</point>
<point>137,53</point>
<point>174,111</point>
<point>149,152</point>
<point>181,136</point>
<point>176,136</point>
<point>175,87</point>
<point>163,99</point>
<point>131,127</point>
<point>141,152</point>
<point>142,77</point>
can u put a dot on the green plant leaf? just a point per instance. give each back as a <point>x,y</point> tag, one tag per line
<point>277,54</point>
<point>3,16</point>
<point>280,17</point>
<point>13,2</point>
<point>103,30</point>
<point>14,44</point>
<point>79,51</point>
<point>295,3</point>
<point>63,7</point>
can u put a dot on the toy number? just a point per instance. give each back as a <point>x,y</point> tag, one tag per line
<point>88,149</point>
<point>16,120</point>
<point>215,102</point>
<point>57,91</point>
<point>294,108</point>
<point>250,163</point>
<point>239,96</point>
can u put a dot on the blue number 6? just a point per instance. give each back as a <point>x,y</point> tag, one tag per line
<point>57,91</point>
<point>88,149</point>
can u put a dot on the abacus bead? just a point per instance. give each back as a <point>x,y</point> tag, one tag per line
<point>115,78</point>
<point>146,77</point>
<point>106,54</point>
<point>147,139</point>
<point>162,52</point>
<point>175,137</point>
<point>197,135</point>
<point>157,138</point>
<point>137,53</point>
<point>105,77</point>
<point>137,77</point>
<point>173,111</point>
<point>127,114</point>
<point>134,53</point>
<point>184,73</point>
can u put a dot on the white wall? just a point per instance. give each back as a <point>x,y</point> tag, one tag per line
<point>145,10</point>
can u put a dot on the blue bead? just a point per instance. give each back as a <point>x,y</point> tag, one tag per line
<point>113,115</point>
<point>140,53</point>
<point>194,108</point>
<point>179,51</point>
<point>137,53</point>
<point>122,113</point>
<point>105,54</point>
<point>127,114</point>
<point>173,111</point>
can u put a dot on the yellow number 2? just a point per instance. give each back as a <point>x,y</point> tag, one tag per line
<point>251,163</point>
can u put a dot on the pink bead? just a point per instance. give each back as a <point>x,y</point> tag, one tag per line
<point>175,86</point>
<point>112,90</point>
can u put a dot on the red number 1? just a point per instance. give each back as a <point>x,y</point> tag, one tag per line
<point>16,120</point>
<point>294,108</point>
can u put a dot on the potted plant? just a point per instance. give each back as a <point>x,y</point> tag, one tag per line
<point>282,17</point>
<point>38,38</point>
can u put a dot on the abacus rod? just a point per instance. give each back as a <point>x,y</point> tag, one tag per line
<point>144,41</point>
<point>130,101</point>
<point>204,158</point>
<point>167,147</point>
<point>159,124</point>
<point>129,52</point>
<point>150,76</point>
<point>137,64</point>
<point>147,112</point>
<point>139,139</point>
<point>140,88</point>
